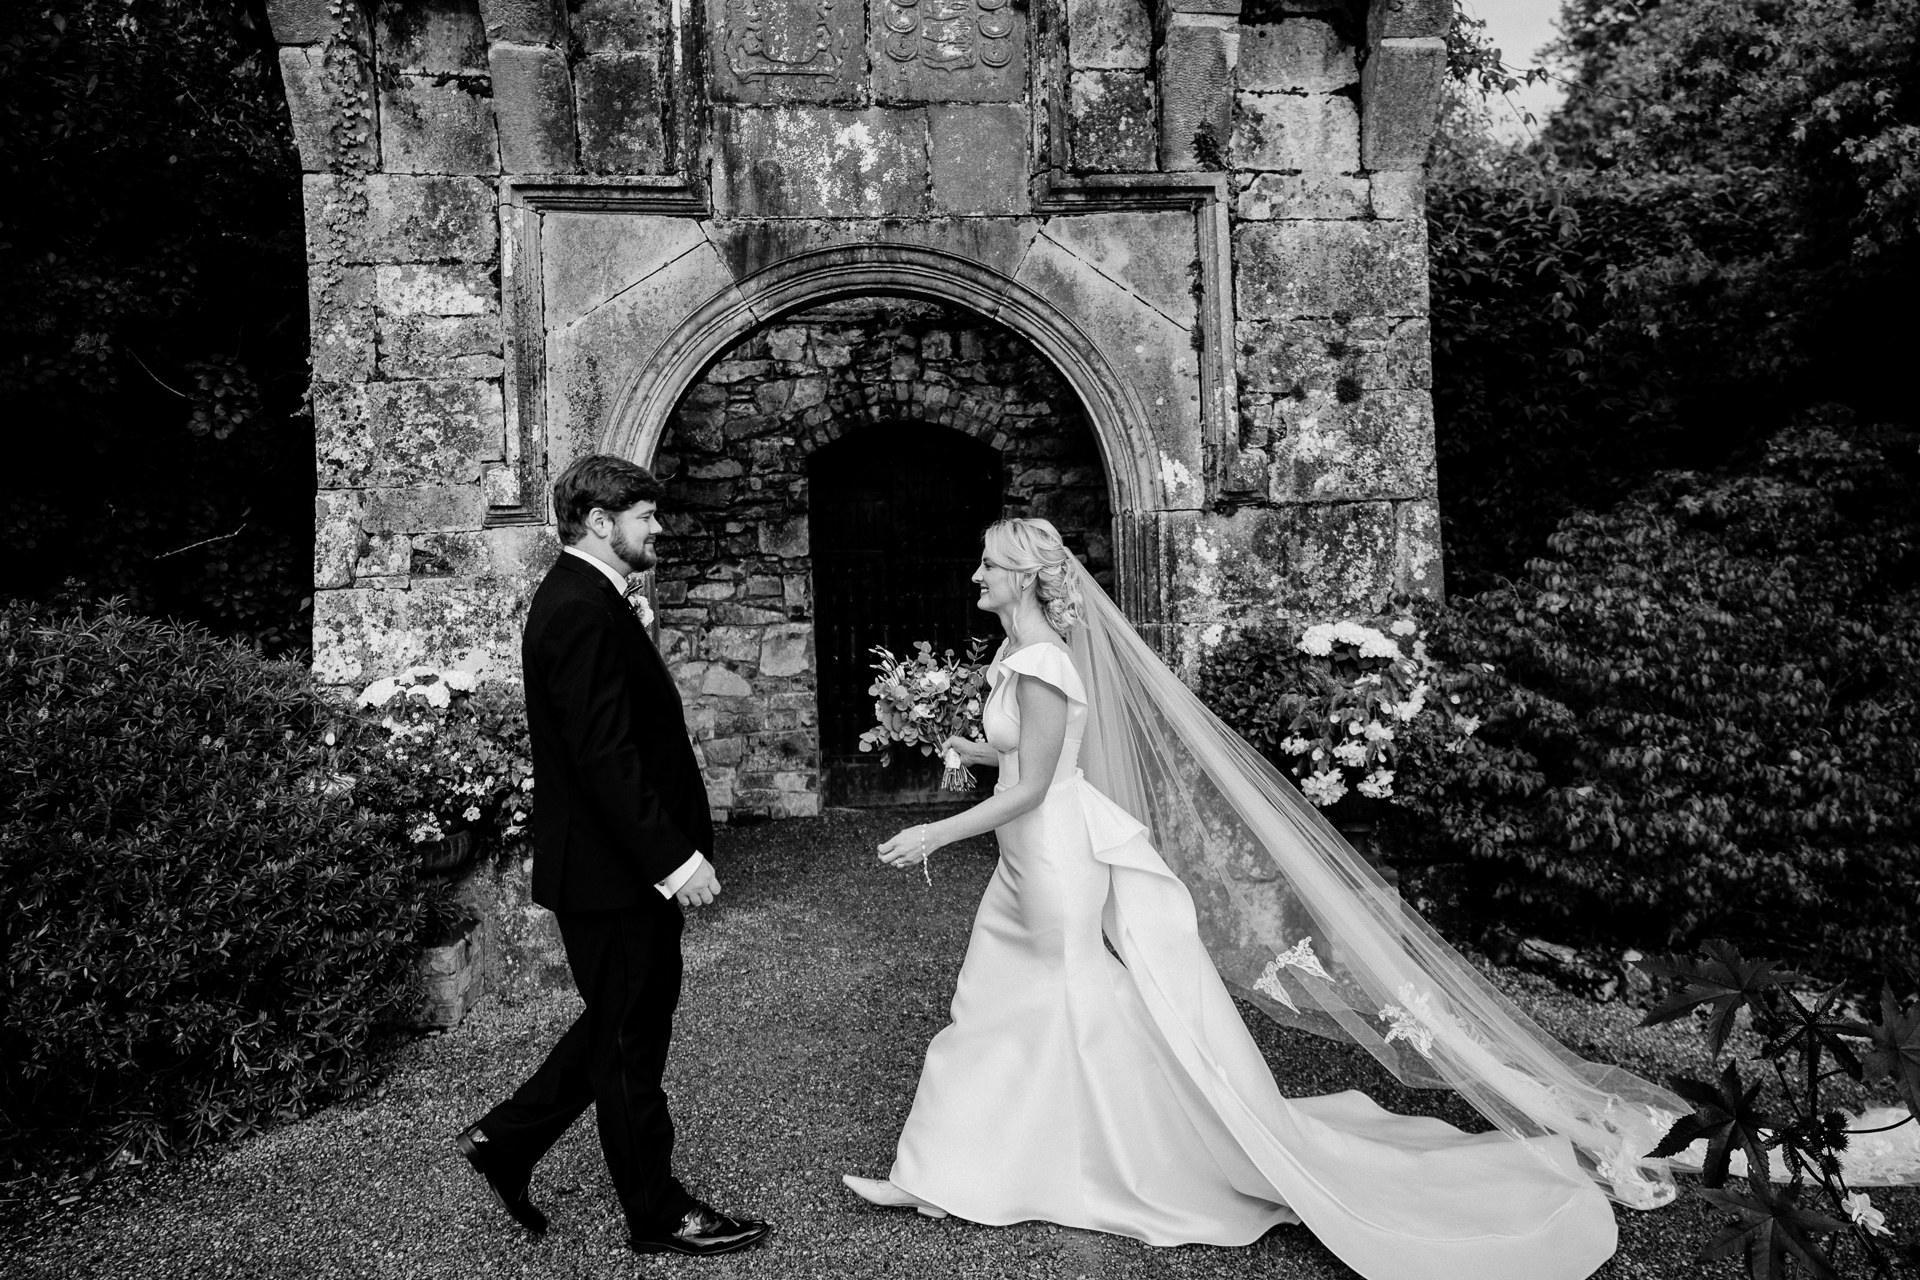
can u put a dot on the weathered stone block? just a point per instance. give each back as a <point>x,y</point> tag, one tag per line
<point>948,51</point>
<point>809,162</point>
<point>384,556</point>
<point>1288,131</point>
<point>501,485</point>
<point>1196,95</point>
<point>1307,561</point>
<point>618,107</point>
<point>1367,353</point>
<point>463,347</point>
<point>442,37</point>
<point>1399,193</point>
<point>323,140</point>
<point>1400,101</point>
<point>340,312</point>
<point>978,156</point>
<point>396,433</point>
<point>1300,55</point>
<point>1379,446</point>
<point>533,109</point>
<point>436,289</point>
<point>337,536</point>
<point>720,682</point>
<point>807,51</point>
<point>589,259</point>
<point>1110,35</point>
<point>448,555</point>
<point>436,508</point>
<point>301,21</point>
<point>1110,125</point>
<point>1285,269</point>
<point>525,21</point>
<point>1407,19</point>
<point>619,26</point>
<point>433,124</point>
<point>1303,195</point>
<point>1154,256</point>
<point>786,651</point>
<point>407,218</point>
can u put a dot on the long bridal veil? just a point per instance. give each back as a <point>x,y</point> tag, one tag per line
<point>1300,925</point>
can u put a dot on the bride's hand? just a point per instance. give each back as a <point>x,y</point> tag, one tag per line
<point>910,847</point>
<point>970,751</point>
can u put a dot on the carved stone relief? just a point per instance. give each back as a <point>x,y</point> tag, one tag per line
<point>788,50</point>
<point>948,51</point>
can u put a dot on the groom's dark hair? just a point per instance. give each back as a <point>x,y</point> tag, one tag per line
<point>599,480</point>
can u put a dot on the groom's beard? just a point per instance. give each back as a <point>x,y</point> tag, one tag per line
<point>637,556</point>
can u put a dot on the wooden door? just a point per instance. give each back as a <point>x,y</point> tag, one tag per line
<point>895,514</point>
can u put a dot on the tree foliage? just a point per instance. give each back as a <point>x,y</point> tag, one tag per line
<point>1716,236</point>
<point>152,305</point>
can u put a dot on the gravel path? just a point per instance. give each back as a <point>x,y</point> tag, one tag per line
<point>811,993</point>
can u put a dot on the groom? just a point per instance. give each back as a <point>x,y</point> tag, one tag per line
<point>619,829</point>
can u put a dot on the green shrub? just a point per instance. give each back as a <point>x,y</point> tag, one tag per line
<point>1698,719</point>
<point>201,932</point>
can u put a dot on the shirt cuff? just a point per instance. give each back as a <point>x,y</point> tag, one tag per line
<point>675,882</point>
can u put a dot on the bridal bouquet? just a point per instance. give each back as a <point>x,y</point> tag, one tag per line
<point>922,700</point>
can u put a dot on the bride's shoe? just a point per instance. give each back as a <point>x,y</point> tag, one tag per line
<point>881,1192</point>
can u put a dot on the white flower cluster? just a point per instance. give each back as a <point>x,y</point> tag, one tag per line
<point>429,684</point>
<point>1318,640</point>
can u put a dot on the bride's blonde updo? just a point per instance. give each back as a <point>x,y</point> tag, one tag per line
<point>1034,546</point>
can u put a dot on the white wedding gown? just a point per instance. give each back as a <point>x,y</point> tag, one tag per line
<point>1130,1098</point>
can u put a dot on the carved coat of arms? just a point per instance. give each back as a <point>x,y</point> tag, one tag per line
<point>948,35</point>
<point>784,38</point>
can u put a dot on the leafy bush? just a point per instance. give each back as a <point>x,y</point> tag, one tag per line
<point>1698,719</point>
<point>201,931</point>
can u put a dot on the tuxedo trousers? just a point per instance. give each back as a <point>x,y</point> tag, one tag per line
<point>626,964</point>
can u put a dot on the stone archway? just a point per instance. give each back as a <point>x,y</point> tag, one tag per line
<point>740,594</point>
<point>1120,423</point>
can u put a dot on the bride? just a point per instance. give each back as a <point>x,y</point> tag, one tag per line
<point>1096,1073</point>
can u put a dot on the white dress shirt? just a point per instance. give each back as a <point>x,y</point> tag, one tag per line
<point>685,871</point>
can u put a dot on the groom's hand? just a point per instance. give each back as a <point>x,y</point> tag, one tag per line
<point>700,889</point>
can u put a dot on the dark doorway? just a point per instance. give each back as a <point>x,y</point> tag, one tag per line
<point>895,514</point>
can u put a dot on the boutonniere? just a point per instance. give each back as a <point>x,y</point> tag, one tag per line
<point>642,608</point>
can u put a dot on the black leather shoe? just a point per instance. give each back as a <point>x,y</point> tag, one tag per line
<point>510,1189</point>
<point>702,1233</point>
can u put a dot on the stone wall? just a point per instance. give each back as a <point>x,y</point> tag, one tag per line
<point>526,217</point>
<point>734,592</point>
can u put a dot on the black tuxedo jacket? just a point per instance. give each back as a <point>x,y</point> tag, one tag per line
<point>619,803</point>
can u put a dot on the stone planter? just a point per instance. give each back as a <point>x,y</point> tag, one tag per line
<point>446,859</point>
<point>454,977</point>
